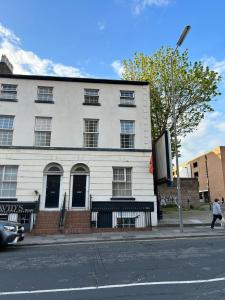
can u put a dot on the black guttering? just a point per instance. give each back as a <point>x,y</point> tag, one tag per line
<point>75,149</point>
<point>73,79</point>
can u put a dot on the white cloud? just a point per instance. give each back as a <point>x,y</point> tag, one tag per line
<point>209,134</point>
<point>101,26</point>
<point>117,67</point>
<point>213,63</point>
<point>8,34</point>
<point>27,62</point>
<point>140,5</point>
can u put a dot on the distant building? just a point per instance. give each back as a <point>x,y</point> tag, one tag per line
<point>209,168</point>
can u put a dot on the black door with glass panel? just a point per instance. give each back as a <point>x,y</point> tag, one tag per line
<point>79,190</point>
<point>52,191</point>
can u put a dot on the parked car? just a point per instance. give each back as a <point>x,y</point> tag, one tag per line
<point>10,233</point>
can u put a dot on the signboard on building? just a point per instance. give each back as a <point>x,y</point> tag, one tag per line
<point>9,207</point>
<point>163,158</point>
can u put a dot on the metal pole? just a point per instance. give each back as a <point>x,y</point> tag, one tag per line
<point>179,200</point>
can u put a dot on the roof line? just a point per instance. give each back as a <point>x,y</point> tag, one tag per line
<point>73,79</point>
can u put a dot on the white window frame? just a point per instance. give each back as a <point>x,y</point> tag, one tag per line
<point>123,224</point>
<point>91,96</point>
<point>89,133</point>
<point>127,97</point>
<point>127,135</point>
<point>2,181</point>
<point>45,96</point>
<point>7,130</point>
<point>125,181</point>
<point>37,130</point>
<point>8,91</point>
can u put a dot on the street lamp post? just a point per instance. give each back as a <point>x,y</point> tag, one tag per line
<point>179,200</point>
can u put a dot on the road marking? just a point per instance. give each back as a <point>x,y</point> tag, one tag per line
<point>113,286</point>
<point>120,241</point>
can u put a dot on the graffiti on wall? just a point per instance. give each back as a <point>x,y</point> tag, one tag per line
<point>167,199</point>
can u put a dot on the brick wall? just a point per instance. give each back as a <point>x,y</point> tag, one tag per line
<point>189,192</point>
<point>215,162</point>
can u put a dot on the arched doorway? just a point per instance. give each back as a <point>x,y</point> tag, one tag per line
<point>79,186</point>
<point>52,174</point>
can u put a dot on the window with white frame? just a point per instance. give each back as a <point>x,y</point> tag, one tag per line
<point>8,91</point>
<point>91,96</point>
<point>8,181</point>
<point>127,97</point>
<point>6,130</point>
<point>45,93</point>
<point>43,131</point>
<point>121,185</point>
<point>90,133</point>
<point>126,222</point>
<point>127,134</point>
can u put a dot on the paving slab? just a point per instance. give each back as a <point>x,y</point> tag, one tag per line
<point>156,233</point>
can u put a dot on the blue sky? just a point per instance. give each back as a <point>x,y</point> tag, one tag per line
<point>91,37</point>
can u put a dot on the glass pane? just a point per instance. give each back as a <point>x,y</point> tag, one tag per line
<point>54,169</point>
<point>45,93</point>
<point>127,141</point>
<point>127,94</point>
<point>10,173</point>
<point>42,138</point>
<point>1,173</point>
<point>91,99</point>
<point>6,137</point>
<point>80,169</point>
<point>91,126</point>
<point>7,189</point>
<point>126,101</point>
<point>91,92</point>
<point>6,122</point>
<point>118,174</point>
<point>90,139</point>
<point>128,174</point>
<point>43,123</point>
<point>9,87</point>
<point>127,127</point>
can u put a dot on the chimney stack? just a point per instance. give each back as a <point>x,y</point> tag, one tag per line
<point>5,66</point>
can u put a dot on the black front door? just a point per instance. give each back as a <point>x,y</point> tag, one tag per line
<point>79,190</point>
<point>52,191</point>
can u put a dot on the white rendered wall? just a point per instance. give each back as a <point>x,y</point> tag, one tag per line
<point>68,113</point>
<point>31,164</point>
<point>67,131</point>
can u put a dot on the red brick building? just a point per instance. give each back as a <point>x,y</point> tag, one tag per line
<point>209,168</point>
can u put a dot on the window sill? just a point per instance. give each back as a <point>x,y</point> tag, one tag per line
<point>127,105</point>
<point>47,102</point>
<point>122,198</point>
<point>8,100</point>
<point>92,104</point>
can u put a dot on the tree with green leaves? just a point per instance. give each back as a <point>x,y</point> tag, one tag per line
<point>194,86</point>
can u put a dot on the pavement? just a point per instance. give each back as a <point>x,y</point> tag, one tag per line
<point>196,224</point>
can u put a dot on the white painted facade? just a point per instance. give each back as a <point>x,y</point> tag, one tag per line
<point>66,148</point>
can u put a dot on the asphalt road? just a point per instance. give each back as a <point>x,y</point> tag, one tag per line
<point>156,270</point>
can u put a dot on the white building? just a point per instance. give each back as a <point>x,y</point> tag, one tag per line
<point>80,144</point>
